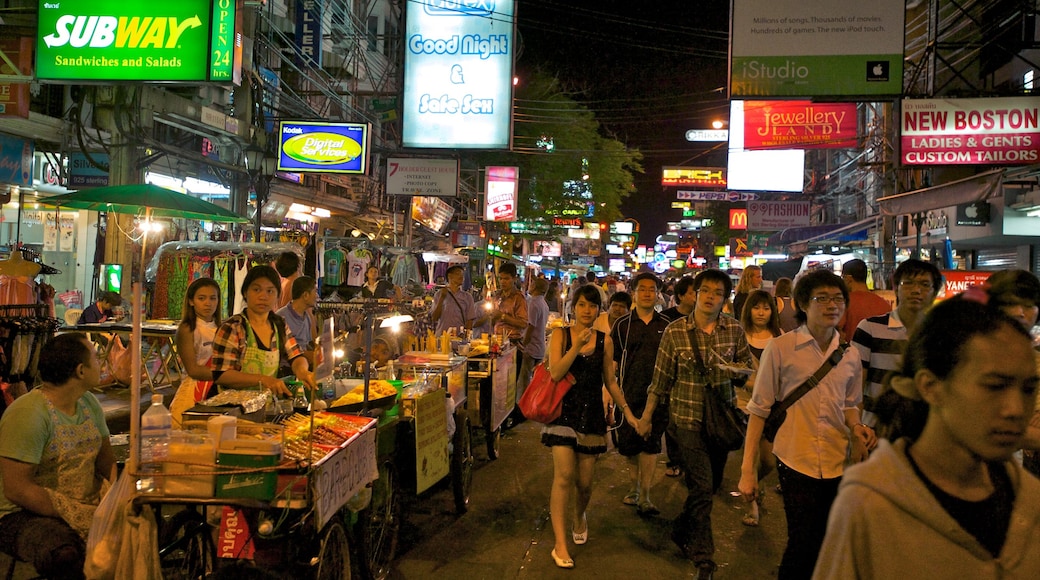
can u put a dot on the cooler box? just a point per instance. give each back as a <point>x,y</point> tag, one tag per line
<point>248,453</point>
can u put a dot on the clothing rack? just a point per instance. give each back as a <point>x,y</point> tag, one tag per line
<point>24,328</point>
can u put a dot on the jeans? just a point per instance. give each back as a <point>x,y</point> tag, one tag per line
<point>693,526</point>
<point>807,503</point>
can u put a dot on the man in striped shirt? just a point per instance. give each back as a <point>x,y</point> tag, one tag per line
<point>882,339</point>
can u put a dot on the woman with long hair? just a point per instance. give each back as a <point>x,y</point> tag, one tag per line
<point>199,322</point>
<point>947,497</point>
<point>761,325</point>
<point>580,433</point>
<point>750,280</point>
<point>785,308</point>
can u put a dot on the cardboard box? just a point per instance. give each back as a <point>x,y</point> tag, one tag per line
<point>248,453</point>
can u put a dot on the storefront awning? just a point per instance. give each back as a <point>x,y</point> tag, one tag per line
<point>968,190</point>
<point>811,234</point>
<point>845,233</point>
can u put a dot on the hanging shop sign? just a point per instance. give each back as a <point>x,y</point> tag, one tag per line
<point>16,161</point>
<point>308,146</point>
<point>308,31</point>
<point>730,196</point>
<point>83,173</point>
<point>998,131</point>
<point>500,191</point>
<point>799,125</point>
<point>777,215</point>
<point>458,74</point>
<point>139,40</point>
<point>428,177</point>
<point>14,97</point>
<point>432,212</point>
<point>791,48</point>
<point>694,176</point>
<point>973,214</point>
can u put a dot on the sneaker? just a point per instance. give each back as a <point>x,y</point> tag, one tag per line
<point>632,498</point>
<point>705,570</point>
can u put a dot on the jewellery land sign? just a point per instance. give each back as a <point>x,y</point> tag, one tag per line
<point>777,215</point>
<point>308,146</point>
<point>799,125</point>
<point>139,40</point>
<point>997,131</point>
<point>808,48</point>
<point>427,177</point>
<point>458,74</point>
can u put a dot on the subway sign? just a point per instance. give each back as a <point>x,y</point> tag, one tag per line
<point>138,40</point>
<point>310,146</point>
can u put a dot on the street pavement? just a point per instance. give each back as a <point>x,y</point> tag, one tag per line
<point>506,532</point>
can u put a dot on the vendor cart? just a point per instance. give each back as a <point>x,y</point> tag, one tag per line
<point>491,386</point>
<point>293,517</point>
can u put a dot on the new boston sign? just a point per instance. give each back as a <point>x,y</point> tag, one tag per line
<point>137,40</point>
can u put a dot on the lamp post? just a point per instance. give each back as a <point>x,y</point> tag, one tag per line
<point>260,166</point>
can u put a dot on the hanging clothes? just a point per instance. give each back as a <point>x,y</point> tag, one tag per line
<point>221,272</point>
<point>178,284</point>
<point>242,264</point>
<point>358,261</point>
<point>335,266</point>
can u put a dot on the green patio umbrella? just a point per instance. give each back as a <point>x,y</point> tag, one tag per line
<point>145,199</point>
<point>149,201</point>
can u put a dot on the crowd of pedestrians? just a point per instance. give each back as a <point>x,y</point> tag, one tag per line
<point>902,427</point>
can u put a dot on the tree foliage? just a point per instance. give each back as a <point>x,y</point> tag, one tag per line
<point>544,113</point>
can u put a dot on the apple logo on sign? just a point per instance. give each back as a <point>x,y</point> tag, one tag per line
<point>878,70</point>
<point>972,211</point>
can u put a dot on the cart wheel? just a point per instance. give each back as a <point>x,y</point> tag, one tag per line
<point>186,549</point>
<point>334,555</point>
<point>381,523</point>
<point>493,440</point>
<point>462,463</point>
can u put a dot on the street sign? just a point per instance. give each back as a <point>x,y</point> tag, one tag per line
<point>711,135</point>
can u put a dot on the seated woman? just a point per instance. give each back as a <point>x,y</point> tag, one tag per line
<point>247,346</point>
<point>54,452</point>
<point>102,310</point>
<point>947,497</point>
<point>195,344</point>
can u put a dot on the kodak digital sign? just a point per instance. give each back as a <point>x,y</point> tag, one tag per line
<point>138,40</point>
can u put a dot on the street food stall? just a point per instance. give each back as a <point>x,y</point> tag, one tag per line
<point>491,386</point>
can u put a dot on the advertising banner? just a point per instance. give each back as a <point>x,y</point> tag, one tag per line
<point>809,48</point>
<point>307,146</point>
<point>14,97</point>
<point>137,40</point>
<point>694,176</point>
<point>429,177</point>
<point>777,215</point>
<point>458,74</point>
<point>738,219</point>
<point>957,281</point>
<point>500,191</point>
<point>762,170</point>
<point>432,213</point>
<point>997,131</point>
<point>731,196</point>
<point>799,125</point>
<point>308,30</point>
<point>16,161</point>
<point>83,174</point>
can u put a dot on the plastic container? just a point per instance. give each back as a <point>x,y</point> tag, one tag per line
<point>156,427</point>
<point>187,474</point>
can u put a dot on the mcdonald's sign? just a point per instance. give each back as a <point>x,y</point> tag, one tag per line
<point>738,219</point>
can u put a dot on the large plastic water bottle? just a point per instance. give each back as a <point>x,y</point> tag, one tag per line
<point>156,425</point>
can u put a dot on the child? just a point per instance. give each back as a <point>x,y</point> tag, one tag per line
<point>195,344</point>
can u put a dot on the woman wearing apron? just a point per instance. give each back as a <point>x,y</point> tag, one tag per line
<point>54,453</point>
<point>247,346</point>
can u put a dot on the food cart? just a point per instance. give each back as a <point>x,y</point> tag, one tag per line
<point>491,385</point>
<point>289,512</point>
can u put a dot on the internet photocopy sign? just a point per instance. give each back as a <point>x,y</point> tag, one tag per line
<point>458,73</point>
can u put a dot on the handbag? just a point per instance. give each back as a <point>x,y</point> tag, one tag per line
<point>724,425</point>
<point>542,401</point>
<point>778,413</point>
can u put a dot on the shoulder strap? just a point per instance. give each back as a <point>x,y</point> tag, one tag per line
<point>814,380</point>
<point>701,367</point>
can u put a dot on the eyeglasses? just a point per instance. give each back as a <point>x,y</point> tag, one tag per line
<point>839,300</point>
<point>922,284</point>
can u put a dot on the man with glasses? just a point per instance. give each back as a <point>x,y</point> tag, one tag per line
<point>680,377</point>
<point>882,339</point>
<point>862,302</point>
<point>813,442</point>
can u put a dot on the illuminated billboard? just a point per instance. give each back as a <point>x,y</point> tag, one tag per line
<point>432,212</point>
<point>309,146</point>
<point>769,170</point>
<point>138,40</point>
<point>500,190</point>
<point>458,74</point>
<point>799,125</point>
<point>994,131</point>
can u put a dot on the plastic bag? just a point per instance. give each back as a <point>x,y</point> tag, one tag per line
<point>120,361</point>
<point>106,529</point>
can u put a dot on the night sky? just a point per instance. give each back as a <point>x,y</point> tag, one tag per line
<point>650,71</point>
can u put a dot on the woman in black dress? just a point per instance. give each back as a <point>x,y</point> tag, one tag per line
<point>579,434</point>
